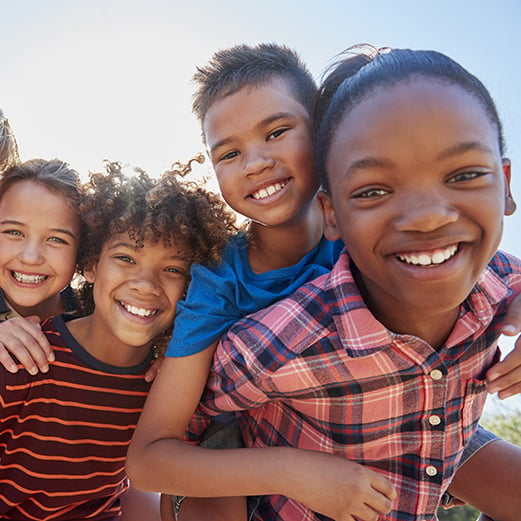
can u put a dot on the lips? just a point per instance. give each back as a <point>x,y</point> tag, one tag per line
<point>268,190</point>
<point>429,258</point>
<point>138,312</point>
<point>27,278</point>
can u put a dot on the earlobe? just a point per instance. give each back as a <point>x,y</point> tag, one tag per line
<point>510,204</point>
<point>90,274</point>
<point>331,230</point>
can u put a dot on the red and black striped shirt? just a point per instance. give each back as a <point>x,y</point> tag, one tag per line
<point>64,434</point>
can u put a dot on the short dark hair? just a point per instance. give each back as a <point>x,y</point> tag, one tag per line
<point>235,67</point>
<point>362,69</point>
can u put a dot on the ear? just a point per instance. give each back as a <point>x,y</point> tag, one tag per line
<point>90,274</point>
<point>331,230</point>
<point>510,204</point>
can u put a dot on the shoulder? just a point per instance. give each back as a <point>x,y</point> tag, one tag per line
<point>287,327</point>
<point>505,264</point>
<point>231,259</point>
<point>503,271</point>
<point>499,282</point>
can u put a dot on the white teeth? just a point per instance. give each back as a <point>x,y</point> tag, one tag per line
<point>428,259</point>
<point>28,279</point>
<point>140,312</point>
<point>269,190</point>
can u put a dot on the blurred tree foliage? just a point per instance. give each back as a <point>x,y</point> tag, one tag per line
<point>504,421</point>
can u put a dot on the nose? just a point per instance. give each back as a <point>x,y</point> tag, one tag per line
<point>424,211</point>
<point>31,253</point>
<point>145,283</point>
<point>257,160</point>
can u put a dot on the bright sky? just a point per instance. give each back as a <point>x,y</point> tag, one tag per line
<point>86,80</point>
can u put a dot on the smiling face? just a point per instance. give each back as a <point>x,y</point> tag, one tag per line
<point>136,291</point>
<point>418,193</point>
<point>260,144</point>
<point>39,239</point>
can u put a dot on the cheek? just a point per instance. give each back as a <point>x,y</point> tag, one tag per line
<point>6,250</point>
<point>66,264</point>
<point>224,176</point>
<point>174,295</point>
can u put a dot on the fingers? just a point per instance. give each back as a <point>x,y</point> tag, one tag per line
<point>512,322</point>
<point>507,385</point>
<point>375,497</point>
<point>384,486</point>
<point>385,495</point>
<point>375,506</point>
<point>504,377</point>
<point>153,370</point>
<point>7,361</point>
<point>23,339</point>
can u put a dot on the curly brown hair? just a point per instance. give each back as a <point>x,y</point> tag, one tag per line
<point>151,209</point>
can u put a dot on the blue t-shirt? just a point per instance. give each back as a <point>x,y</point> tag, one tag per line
<point>219,296</point>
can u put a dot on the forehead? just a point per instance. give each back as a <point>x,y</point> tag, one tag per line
<point>249,105</point>
<point>417,118</point>
<point>166,245</point>
<point>30,195</point>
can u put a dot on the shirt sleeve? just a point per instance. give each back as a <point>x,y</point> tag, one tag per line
<point>232,386</point>
<point>207,312</point>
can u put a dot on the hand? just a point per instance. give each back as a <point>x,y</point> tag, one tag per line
<point>23,338</point>
<point>344,490</point>
<point>154,368</point>
<point>504,377</point>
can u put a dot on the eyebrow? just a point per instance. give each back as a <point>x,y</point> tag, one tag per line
<point>65,231</point>
<point>260,124</point>
<point>458,149</point>
<point>369,162</point>
<point>461,148</point>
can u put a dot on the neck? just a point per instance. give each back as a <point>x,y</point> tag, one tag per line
<point>48,308</point>
<point>275,247</point>
<point>432,324</point>
<point>103,347</point>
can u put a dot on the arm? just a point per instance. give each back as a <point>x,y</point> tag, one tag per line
<point>489,481</point>
<point>23,338</point>
<point>158,460</point>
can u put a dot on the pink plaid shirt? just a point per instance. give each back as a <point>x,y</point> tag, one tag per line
<point>318,371</point>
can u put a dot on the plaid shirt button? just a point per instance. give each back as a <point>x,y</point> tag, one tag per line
<point>436,374</point>
<point>434,420</point>
<point>431,471</point>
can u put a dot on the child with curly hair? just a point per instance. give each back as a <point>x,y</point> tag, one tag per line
<point>141,236</point>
